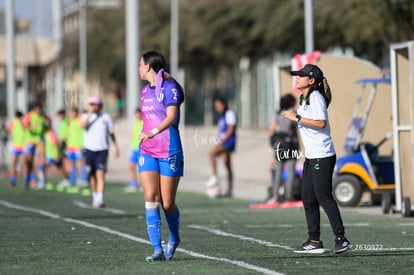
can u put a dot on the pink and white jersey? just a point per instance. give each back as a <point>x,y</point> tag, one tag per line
<point>154,111</point>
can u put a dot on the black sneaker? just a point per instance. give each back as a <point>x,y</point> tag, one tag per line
<point>341,244</point>
<point>311,248</point>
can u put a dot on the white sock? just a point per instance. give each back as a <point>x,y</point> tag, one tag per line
<point>94,195</point>
<point>99,198</point>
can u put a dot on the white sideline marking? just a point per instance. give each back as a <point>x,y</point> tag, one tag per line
<point>396,249</point>
<point>135,239</point>
<point>360,224</point>
<point>202,211</point>
<point>268,225</point>
<point>106,209</point>
<point>241,237</point>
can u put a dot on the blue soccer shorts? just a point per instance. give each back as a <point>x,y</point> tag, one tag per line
<point>17,152</point>
<point>134,157</point>
<point>172,166</point>
<point>74,155</point>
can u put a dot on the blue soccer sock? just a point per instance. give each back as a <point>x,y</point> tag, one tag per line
<point>133,183</point>
<point>153,219</point>
<point>32,176</point>
<point>41,174</point>
<point>12,180</point>
<point>26,180</point>
<point>173,221</point>
<point>72,176</point>
<point>84,173</point>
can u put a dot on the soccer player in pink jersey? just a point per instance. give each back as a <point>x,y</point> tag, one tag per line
<point>161,161</point>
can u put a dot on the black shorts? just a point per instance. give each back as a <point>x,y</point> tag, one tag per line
<point>96,160</point>
<point>62,147</point>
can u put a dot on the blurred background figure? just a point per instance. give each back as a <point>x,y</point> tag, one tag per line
<point>17,136</point>
<point>98,128</point>
<point>52,156</point>
<point>62,129</point>
<point>134,186</point>
<point>62,137</point>
<point>283,140</point>
<point>120,101</point>
<point>34,123</point>
<point>74,145</point>
<point>225,146</point>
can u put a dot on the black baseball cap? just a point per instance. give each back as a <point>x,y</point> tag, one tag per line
<point>309,70</point>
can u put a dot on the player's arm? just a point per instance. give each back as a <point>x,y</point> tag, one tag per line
<point>111,132</point>
<point>113,138</point>
<point>272,127</point>
<point>26,121</point>
<point>230,118</point>
<point>54,139</point>
<point>169,120</point>
<point>10,128</point>
<point>84,121</point>
<point>230,131</point>
<point>172,112</point>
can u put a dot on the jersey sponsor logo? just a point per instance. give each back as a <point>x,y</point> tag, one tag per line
<point>148,108</point>
<point>150,116</point>
<point>147,100</point>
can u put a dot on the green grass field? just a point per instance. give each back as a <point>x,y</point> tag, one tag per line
<point>46,232</point>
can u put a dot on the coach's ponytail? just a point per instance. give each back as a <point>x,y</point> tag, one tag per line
<point>323,87</point>
<point>326,92</point>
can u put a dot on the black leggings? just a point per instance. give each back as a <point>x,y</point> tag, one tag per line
<point>317,191</point>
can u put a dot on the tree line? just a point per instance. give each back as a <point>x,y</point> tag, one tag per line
<point>219,32</point>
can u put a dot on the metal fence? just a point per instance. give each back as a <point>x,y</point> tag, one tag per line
<point>251,89</point>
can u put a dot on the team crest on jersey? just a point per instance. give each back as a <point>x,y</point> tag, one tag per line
<point>160,97</point>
